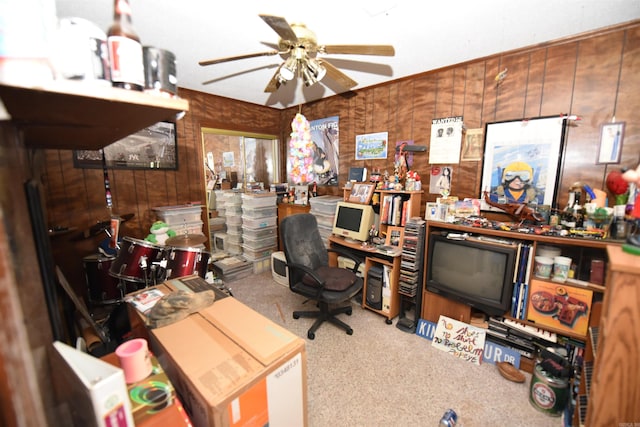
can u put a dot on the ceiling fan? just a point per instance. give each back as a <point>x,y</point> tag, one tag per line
<point>299,48</point>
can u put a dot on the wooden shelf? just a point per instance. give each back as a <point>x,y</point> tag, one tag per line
<point>79,116</point>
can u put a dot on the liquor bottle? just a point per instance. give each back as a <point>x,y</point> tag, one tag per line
<point>125,50</point>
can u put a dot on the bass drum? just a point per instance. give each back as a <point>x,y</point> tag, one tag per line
<point>136,260</point>
<point>102,288</point>
<point>186,261</point>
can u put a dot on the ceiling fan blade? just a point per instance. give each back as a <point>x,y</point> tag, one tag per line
<point>280,26</point>
<point>338,76</point>
<point>353,49</point>
<point>234,58</point>
<point>274,83</point>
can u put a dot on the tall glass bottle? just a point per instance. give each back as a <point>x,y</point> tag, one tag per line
<point>125,50</point>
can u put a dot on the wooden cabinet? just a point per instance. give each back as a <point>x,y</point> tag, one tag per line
<point>286,209</point>
<point>582,252</point>
<point>58,115</point>
<point>614,391</point>
<point>79,116</point>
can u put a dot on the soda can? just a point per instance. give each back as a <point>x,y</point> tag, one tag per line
<point>449,419</point>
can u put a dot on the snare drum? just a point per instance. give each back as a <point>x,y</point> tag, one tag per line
<point>102,287</point>
<point>135,259</point>
<point>187,261</point>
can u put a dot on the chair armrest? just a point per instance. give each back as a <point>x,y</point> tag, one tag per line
<point>319,282</point>
<point>349,255</point>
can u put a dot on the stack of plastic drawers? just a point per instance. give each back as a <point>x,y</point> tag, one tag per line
<point>233,212</point>
<point>183,219</point>
<point>260,232</point>
<point>217,222</point>
<point>324,209</point>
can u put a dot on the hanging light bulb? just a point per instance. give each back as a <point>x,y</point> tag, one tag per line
<point>288,70</point>
<point>308,77</point>
<point>316,69</point>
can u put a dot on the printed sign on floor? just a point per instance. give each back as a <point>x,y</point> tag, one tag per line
<point>459,339</point>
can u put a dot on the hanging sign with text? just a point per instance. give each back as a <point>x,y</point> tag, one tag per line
<point>459,339</point>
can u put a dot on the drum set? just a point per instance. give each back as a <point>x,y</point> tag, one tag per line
<point>140,264</point>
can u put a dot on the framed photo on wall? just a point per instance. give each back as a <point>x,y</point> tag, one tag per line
<point>155,147</point>
<point>521,161</point>
<point>610,143</point>
<point>472,145</point>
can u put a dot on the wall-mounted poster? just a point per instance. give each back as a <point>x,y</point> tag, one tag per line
<point>446,139</point>
<point>372,146</point>
<point>326,153</point>
<point>154,147</point>
<point>521,160</point>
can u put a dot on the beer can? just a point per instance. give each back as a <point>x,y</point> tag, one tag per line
<point>449,419</point>
<point>547,393</point>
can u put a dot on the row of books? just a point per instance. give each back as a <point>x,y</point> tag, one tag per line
<point>521,280</point>
<point>394,210</point>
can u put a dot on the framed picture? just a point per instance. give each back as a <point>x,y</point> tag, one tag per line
<point>610,143</point>
<point>372,146</point>
<point>431,212</point>
<point>521,161</point>
<point>362,192</point>
<point>155,147</point>
<point>472,145</point>
<point>395,236</point>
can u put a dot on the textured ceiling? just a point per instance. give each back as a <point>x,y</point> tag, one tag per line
<point>426,36</point>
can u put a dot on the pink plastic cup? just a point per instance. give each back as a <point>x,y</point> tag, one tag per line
<point>135,360</point>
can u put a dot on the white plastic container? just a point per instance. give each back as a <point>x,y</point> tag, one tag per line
<point>258,222</point>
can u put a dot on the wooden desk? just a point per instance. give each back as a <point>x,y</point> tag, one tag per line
<point>371,257</point>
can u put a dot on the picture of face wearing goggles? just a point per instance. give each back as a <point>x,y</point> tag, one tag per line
<point>524,176</point>
<point>519,170</point>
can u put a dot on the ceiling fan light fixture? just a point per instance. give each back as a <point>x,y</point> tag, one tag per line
<point>308,77</point>
<point>316,69</point>
<point>288,70</point>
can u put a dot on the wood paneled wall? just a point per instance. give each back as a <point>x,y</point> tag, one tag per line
<point>594,76</point>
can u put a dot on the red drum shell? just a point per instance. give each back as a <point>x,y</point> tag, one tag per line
<point>101,286</point>
<point>187,261</point>
<point>128,264</point>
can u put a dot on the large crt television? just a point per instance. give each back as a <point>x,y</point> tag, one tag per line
<point>474,272</point>
<point>353,221</point>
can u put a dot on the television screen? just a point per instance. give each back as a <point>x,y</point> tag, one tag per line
<point>484,280</point>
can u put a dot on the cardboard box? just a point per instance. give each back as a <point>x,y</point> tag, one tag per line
<point>231,366</point>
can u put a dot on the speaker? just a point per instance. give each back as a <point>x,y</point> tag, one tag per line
<point>374,288</point>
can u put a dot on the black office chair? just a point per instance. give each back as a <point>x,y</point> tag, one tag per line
<point>310,275</point>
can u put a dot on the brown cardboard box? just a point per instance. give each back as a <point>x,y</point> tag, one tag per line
<point>231,366</point>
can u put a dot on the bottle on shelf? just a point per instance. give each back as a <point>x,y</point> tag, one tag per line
<point>125,50</point>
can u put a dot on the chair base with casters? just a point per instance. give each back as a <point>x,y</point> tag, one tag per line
<point>311,276</point>
<point>325,315</point>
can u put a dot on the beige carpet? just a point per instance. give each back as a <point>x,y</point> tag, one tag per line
<point>382,376</point>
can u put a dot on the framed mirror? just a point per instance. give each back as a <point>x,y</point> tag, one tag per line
<point>237,160</point>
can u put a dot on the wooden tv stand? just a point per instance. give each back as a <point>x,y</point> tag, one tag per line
<point>580,250</point>
<point>371,257</point>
